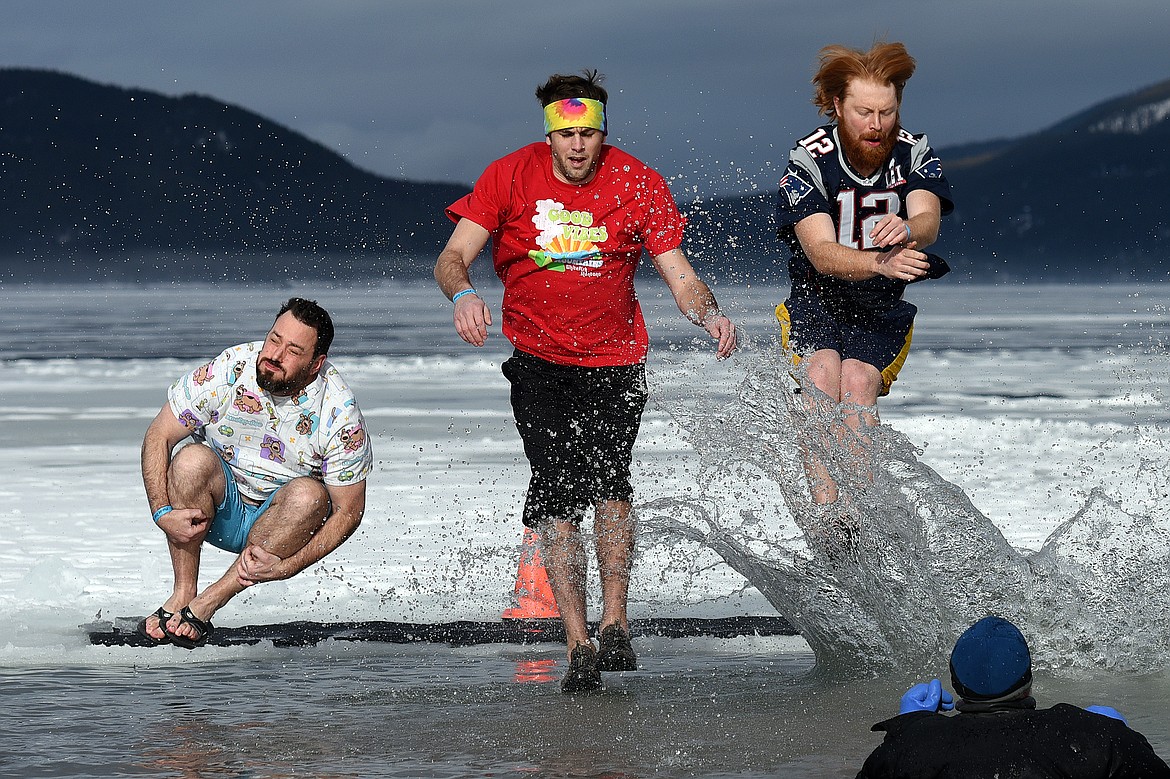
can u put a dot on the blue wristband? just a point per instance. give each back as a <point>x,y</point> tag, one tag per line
<point>468,291</point>
<point>162,512</point>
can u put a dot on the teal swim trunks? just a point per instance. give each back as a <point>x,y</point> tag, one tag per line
<point>233,517</point>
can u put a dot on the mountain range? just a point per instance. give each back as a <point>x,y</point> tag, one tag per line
<point>101,182</point>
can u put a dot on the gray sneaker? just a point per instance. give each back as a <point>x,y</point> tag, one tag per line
<point>615,652</point>
<point>583,674</point>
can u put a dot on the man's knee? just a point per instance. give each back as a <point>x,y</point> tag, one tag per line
<point>860,382</point>
<point>194,469</point>
<point>558,531</point>
<point>304,497</point>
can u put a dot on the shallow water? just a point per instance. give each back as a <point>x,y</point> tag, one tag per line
<point>747,707</point>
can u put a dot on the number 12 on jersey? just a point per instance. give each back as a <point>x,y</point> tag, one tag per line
<point>857,220</point>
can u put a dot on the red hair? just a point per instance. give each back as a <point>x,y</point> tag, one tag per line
<point>885,63</point>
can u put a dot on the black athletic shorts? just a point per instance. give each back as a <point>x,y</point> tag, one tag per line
<point>578,426</point>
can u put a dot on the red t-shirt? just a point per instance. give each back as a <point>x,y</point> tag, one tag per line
<point>567,254</point>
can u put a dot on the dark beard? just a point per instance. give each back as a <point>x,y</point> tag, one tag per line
<point>283,387</point>
<point>866,159</point>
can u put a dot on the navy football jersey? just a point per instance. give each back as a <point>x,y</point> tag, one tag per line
<point>818,180</point>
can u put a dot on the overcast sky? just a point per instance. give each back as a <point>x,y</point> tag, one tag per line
<point>711,92</point>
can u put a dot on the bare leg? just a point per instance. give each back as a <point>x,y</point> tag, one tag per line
<point>850,389</point>
<point>824,369</point>
<point>614,527</point>
<point>565,560</point>
<point>295,514</point>
<point>860,384</point>
<point>194,480</point>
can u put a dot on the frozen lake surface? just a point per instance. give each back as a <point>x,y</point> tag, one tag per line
<point>1029,409</point>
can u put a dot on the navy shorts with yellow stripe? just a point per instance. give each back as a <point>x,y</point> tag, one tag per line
<point>880,339</point>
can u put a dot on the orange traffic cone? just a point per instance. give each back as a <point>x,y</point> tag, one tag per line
<point>534,596</point>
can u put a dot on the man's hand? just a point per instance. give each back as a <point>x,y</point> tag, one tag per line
<point>722,330</point>
<point>904,263</point>
<point>890,231</point>
<point>472,319</point>
<point>257,565</point>
<point>184,525</point>
<point>926,696</point>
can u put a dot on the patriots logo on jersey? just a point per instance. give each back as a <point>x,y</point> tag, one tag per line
<point>794,188</point>
<point>931,169</point>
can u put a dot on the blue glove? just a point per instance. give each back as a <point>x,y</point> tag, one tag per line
<point>926,696</point>
<point>1107,711</point>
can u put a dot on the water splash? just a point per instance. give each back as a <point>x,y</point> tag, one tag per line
<point>924,563</point>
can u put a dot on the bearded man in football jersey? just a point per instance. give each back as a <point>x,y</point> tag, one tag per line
<point>859,202</point>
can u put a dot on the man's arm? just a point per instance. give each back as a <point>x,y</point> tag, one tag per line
<point>902,258</point>
<point>923,217</point>
<point>164,433</point>
<point>472,317</point>
<point>695,299</point>
<point>348,506</point>
<point>161,437</point>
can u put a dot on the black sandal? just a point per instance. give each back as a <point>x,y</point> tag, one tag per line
<point>164,617</point>
<point>204,629</point>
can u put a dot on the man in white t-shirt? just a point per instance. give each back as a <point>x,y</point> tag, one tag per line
<point>276,471</point>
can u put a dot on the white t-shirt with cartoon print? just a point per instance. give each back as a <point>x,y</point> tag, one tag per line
<point>267,440</point>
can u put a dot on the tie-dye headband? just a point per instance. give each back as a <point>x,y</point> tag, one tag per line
<point>574,112</point>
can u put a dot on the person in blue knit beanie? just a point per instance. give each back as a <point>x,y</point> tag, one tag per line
<point>991,663</point>
<point>992,726</point>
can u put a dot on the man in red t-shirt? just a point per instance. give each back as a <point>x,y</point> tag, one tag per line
<point>568,220</point>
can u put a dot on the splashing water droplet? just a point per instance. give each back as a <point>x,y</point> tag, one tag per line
<point>888,575</point>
